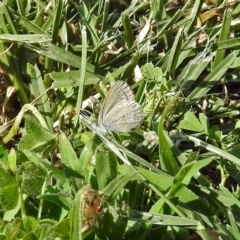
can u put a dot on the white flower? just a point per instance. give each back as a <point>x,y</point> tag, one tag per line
<point>150,139</point>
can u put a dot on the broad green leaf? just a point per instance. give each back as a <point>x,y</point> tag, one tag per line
<point>87,159</point>
<point>215,133</point>
<point>204,122</point>
<point>148,70</point>
<point>62,229</point>
<point>9,194</point>
<point>11,214</point>
<point>70,162</point>
<point>30,224</point>
<point>106,168</point>
<point>31,177</point>
<point>189,170</point>
<point>191,123</point>
<point>162,182</point>
<point>57,199</point>
<point>37,138</point>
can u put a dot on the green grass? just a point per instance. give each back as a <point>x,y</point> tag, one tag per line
<point>174,177</point>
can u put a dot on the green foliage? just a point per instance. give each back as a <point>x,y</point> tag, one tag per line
<point>176,176</point>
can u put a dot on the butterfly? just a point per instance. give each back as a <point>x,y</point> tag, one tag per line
<point>119,111</point>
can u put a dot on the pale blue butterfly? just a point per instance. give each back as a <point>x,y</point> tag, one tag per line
<point>119,111</point>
